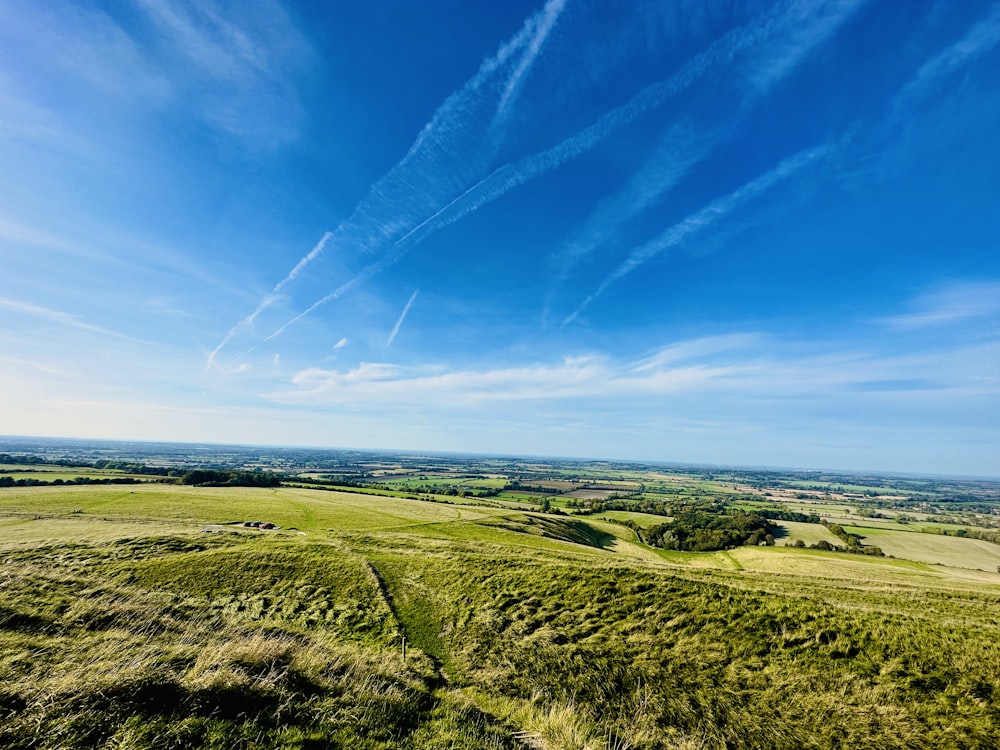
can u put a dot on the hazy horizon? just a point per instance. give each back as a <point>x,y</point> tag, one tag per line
<point>738,234</point>
<point>416,452</point>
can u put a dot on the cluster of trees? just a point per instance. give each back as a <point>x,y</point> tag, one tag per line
<point>9,481</point>
<point>463,492</point>
<point>545,506</point>
<point>620,502</point>
<point>855,549</point>
<point>218,478</point>
<point>853,541</point>
<point>697,530</point>
<point>135,467</point>
<point>516,484</point>
<point>986,535</point>
<point>780,514</point>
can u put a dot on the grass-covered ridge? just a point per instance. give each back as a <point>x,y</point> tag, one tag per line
<point>123,625</point>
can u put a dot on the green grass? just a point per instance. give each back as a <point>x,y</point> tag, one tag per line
<point>303,509</point>
<point>808,533</point>
<point>645,520</point>
<point>124,626</point>
<point>935,549</point>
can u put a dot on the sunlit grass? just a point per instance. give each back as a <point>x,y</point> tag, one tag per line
<point>125,626</point>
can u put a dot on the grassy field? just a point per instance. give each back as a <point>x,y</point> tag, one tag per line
<point>123,625</point>
<point>645,520</point>
<point>935,549</point>
<point>808,533</point>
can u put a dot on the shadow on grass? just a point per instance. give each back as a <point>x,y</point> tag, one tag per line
<point>563,529</point>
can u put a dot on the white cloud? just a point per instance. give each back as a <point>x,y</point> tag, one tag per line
<point>58,317</point>
<point>743,372</point>
<point>953,304</point>
<point>574,377</point>
<point>700,348</point>
<point>240,66</point>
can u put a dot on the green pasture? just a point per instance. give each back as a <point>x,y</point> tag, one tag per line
<point>809,533</point>
<point>934,549</point>
<point>825,510</point>
<point>490,483</point>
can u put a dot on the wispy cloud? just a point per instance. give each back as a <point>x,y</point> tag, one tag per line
<point>697,349</point>
<point>41,367</point>
<point>399,322</point>
<point>340,344</point>
<point>58,317</point>
<point>242,66</point>
<point>800,28</point>
<point>703,219</point>
<point>980,39</point>
<point>954,304</point>
<point>270,299</point>
<point>17,233</point>
<point>883,144</point>
<point>806,27</point>
<point>237,72</point>
<point>752,370</point>
<point>679,150</point>
<point>789,40</point>
<point>476,193</point>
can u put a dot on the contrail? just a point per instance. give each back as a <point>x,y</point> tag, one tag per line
<point>685,145</point>
<point>402,317</point>
<point>704,218</point>
<point>509,176</point>
<point>366,226</point>
<point>270,298</point>
<point>678,151</point>
<point>543,23</point>
<point>978,40</point>
<point>364,275</point>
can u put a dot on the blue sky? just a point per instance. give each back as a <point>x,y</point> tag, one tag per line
<point>720,232</point>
